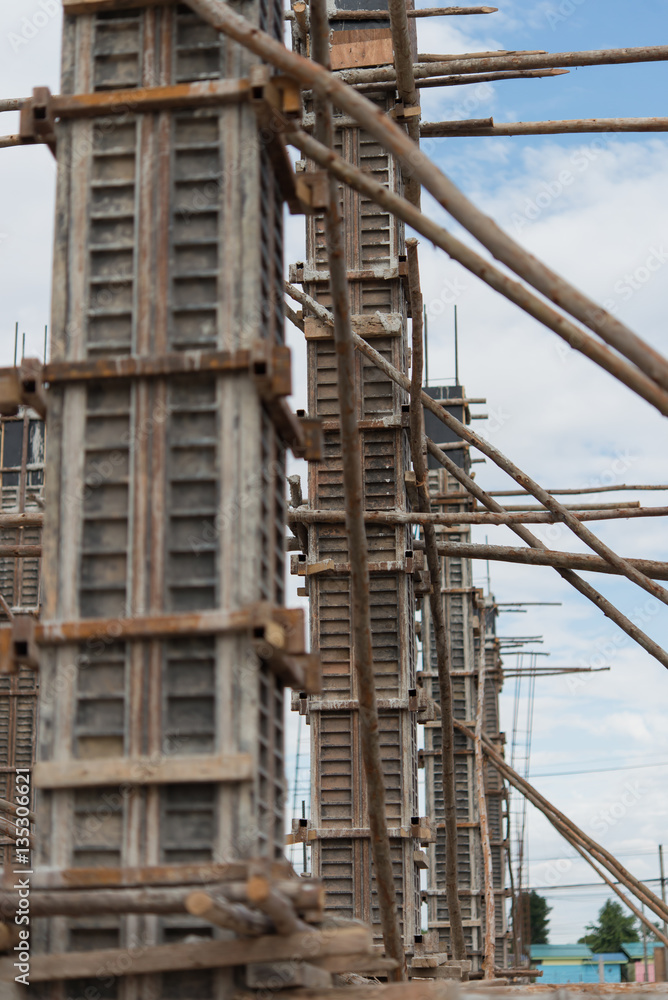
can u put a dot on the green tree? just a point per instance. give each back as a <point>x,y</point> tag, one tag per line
<point>613,927</point>
<point>535,907</point>
<point>538,918</point>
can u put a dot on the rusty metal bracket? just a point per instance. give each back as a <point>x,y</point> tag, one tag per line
<point>17,644</point>
<point>269,368</point>
<point>277,633</point>
<point>312,190</point>
<point>37,119</point>
<point>22,386</point>
<point>277,103</point>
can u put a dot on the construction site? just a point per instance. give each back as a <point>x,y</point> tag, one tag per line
<point>253,738</point>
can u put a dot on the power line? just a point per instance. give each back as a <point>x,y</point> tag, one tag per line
<point>596,770</point>
<point>547,889</point>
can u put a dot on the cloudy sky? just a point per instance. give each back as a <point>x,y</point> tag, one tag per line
<point>600,741</point>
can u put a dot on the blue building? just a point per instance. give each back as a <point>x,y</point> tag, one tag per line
<point>576,963</point>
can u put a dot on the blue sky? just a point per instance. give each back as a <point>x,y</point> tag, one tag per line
<point>549,409</point>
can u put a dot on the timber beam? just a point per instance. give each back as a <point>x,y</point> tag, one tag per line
<point>277,635</point>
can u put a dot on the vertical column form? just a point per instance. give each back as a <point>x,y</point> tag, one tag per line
<point>22,491</point>
<point>165,495</point>
<point>375,261</point>
<point>470,617</point>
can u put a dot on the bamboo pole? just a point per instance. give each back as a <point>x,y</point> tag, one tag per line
<point>416,164</point>
<point>556,817</point>
<point>470,517</point>
<point>434,130</point>
<point>608,609</point>
<point>489,955</point>
<point>465,79</point>
<point>353,486</point>
<point>483,269</point>
<point>6,141</point>
<point>417,442</point>
<point>548,557</point>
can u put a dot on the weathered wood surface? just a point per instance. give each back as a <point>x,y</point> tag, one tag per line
<point>142,771</point>
<point>195,955</point>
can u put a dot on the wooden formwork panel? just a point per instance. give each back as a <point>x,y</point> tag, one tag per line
<point>166,494</point>
<point>373,239</point>
<point>21,490</point>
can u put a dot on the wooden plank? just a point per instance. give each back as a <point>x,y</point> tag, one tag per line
<point>146,367</point>
<point>361,47</point>
<point>196,955</point>
<point>366,326</point>
<point>177,874</point>
<point>204,93</point>
<point>254,616</point>
<point>142,771</point>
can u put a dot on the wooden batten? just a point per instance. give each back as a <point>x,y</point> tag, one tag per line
<point>142,771</point>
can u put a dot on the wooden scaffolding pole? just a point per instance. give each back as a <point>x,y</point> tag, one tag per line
<point>479,62</point>
<point>548,557</point>
<point>488,873</point>
<point>608,609</point>
<point>434,130</point>
<point>466,79</point>
<point>355,529</point>
<point>475,517</point>
<point>405,84</point>
<point>515,292</point>
<point>417,165</point>
<point>569,828</point>
<point>417,440</point>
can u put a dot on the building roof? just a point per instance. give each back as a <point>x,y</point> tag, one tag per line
<point>611,957</point>
<point>634,949</point>
<point>580,952</point>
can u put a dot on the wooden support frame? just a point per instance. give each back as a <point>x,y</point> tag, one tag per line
<point>194,955</point>
<point>277,632</point>
<point>130,772</point>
